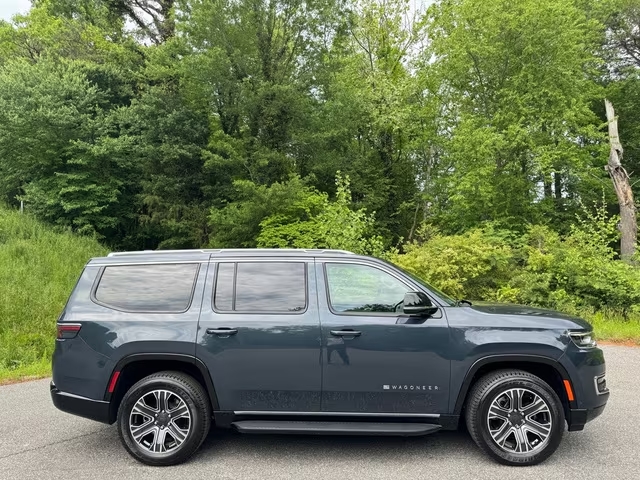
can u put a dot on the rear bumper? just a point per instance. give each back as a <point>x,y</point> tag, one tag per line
<point>579,417</point>
<point>97,410</point>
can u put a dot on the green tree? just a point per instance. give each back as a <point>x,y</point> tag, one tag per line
<point>237,224</point>
<point>56,147</point>
<point>517,81</point>
<point>252,63</point>
<point>170,137</point>
<point>41,33</point>
<point>366,121</point>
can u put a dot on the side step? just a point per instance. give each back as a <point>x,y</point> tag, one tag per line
<point>335,428</point>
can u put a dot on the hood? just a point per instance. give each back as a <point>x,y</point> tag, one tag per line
<point>540,316</point>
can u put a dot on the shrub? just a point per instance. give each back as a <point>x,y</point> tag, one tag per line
<point>580,272</point>
<point>316,222</point>
<point>471,265</point>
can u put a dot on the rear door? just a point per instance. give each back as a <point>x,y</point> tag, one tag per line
<point>259,334</point>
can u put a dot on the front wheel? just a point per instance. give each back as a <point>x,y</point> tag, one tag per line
<point>164,418</point>
<point>515,417</point>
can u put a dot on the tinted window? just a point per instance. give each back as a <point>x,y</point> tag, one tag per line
<point>147,288</point>
<point>360,288</point>
<point>223,299</point>
<point>262,287</point>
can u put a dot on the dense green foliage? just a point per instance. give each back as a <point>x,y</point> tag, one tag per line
<point>40,265</point>
<point>465,141</point>
<point>538,268</point>
<point>157,133</point>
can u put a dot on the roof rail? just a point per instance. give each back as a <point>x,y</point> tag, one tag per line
<point>231,250</point>
<point>150,252</point>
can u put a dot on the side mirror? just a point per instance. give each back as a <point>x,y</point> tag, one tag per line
<point>417,303</point>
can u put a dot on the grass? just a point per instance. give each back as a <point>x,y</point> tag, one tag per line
<point>32,371</point>
<point>612,327</point>
<point>38,269</point>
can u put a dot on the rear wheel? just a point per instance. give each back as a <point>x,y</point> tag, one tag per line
<point>515,417</point>
<point>164,418</point>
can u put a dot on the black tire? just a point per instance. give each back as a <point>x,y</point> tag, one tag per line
<point>493,387</point>
<point>197,403</point>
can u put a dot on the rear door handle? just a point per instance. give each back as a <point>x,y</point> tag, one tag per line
<point>222,331</point>
<point>346,333</point>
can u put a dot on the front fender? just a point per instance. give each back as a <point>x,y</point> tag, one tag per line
<point>475,347</point>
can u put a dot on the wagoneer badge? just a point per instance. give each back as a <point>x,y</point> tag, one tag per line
<point>410,387</point>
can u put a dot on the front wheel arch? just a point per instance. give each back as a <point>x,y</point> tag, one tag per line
<point>548,369</point>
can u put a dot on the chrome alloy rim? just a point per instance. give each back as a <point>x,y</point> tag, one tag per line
<point>160,421</point>
<point>519,421</point>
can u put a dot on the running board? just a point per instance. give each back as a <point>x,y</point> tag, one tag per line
<point>335,428</point>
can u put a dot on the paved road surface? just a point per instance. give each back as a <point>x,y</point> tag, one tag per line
<point>39,442</point>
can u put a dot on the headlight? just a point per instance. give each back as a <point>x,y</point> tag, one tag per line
<point>583,339</point>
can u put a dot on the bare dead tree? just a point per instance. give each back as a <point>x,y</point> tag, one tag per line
<point>622,187</point>
<point>154,18</point>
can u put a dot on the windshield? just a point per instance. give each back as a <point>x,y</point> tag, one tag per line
<point>443,296</point>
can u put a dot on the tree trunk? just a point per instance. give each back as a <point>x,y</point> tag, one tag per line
<point>622,186</point>
<point>546,180</point>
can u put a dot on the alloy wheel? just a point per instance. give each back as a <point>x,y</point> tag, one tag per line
<point>160,421</point>
<point>519,421</point>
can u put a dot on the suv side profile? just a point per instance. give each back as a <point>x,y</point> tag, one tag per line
<point>167,343</point>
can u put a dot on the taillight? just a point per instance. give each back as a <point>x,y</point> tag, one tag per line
<point>68,330</point>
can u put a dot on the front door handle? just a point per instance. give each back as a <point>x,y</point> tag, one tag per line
<point>222,331</point>
<point>346,333</point>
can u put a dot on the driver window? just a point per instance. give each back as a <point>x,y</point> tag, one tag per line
<point>360,288</point>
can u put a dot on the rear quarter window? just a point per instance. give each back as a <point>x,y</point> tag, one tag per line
<point>147,288</point>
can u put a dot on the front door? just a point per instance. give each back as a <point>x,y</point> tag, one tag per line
<point>259,334</point>
<point>375,358</point>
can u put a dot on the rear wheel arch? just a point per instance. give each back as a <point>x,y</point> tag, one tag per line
<point>135,367</point>
<point>546,368</point>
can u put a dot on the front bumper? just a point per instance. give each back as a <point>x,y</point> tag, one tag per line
<point>579,417</point>
<point>97,410</point>
<point>586,370</point>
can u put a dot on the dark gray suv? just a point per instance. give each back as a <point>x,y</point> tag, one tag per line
<point>166,343</point>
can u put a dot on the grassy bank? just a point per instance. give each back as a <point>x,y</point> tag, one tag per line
<point>38,268</point>
<point>612,327</point>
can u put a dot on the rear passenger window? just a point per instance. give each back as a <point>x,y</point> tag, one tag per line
<point>267,287</point>
<point>147,288</point>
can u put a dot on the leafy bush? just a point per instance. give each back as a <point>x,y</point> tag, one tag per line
<point>470,265</point>
<point>316,222</point>
<point>578,272</point>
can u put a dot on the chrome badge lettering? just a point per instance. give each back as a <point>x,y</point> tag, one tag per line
<point>421,388</point>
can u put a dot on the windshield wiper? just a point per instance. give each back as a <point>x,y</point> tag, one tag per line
<point>463,302</point>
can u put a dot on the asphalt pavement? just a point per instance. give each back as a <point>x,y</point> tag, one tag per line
<point>39,442</point>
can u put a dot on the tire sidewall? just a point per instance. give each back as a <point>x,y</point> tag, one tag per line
<point>143,387</point>
<point>557,428</point>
